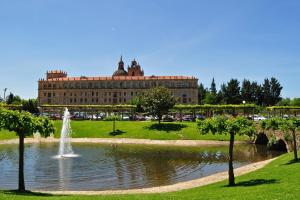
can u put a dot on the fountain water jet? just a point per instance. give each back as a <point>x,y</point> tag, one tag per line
<point>65,147</point>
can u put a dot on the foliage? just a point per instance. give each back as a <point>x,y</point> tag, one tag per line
<point>158,101</point>
<point>201,93</point>
<point>138,102</point>
<point>210,98</point>
<point>290,127</point>
<point>13,99</point>
<point>30,105</point>
<point>231,92</point>
<point>267,94</point>
<point>232,126</point>
<point>23,124</point>
<point>289,102</point>
<point>223,125</point>
<point>213,89</point>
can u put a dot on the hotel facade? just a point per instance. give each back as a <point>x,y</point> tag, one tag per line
<point>120,88</point>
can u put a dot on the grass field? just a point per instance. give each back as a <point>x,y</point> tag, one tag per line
<point>133,129</point>
<point>137,129</point>
<point>278,180</point>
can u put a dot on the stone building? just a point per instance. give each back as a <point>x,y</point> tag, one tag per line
<point>120,88</point>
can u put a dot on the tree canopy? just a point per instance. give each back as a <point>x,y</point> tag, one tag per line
<point>158,101</point>
<point>231,126</point>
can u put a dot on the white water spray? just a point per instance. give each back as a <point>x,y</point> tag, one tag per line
<point>65,147</point>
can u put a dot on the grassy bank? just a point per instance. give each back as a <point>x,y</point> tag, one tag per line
<point>278,180</point>
<point>141,130</point>
<point>133,129</point>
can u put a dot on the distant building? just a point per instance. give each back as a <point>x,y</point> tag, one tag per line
<point>120,88</point>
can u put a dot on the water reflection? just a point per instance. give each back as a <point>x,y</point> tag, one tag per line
<point>104,167</point>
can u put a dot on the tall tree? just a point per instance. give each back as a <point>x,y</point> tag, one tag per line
<point>158,101</point>
<point>232,126</point>
<point>247,93</point>
<point>232,92</point>
<point>257,93</point>
<point>30,105</point>
<point>13,99</point>
<point>275,90</point>
<point>201,93</point>
<point>266,90</point>
<point>213,89</point>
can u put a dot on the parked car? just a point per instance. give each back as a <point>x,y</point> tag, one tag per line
<point>167,118</point>
<point>188,118</point>
<point>258,118</point>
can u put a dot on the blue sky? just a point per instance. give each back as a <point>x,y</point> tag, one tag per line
<point>251,39</point>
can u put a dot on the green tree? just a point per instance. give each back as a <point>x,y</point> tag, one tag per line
<point>30,105</point>
<point>295,102</point>
<point>275,91</point>
<point>210,98</point>
<point>213,89</point>
<point>13,99</point>
<point>138,102</point>
<point>232,92</point>
<point>247,92</point>
<point>291,125</point>
<point>272,124</point>
<point>231,126</point>
<point>285,102</point>
<point>257,93</point>
<point>158,101</point>
<point>24,124</point>
<point>266,91</point>
<point>201,93</point>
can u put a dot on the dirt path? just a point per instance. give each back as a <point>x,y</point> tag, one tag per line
<point>124,141</point>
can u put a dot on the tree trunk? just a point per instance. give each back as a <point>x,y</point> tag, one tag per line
<point>295,146</point>
<point>230,162</point>
<point>21,163</point>
<point>114,125</point>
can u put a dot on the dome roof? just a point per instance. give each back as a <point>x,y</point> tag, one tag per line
<point>120,72</point>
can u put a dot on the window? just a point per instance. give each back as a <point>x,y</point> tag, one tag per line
<point>49,94</point>
<point>184,98</point>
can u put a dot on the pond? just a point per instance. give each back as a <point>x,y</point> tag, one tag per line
<point>104,167</point>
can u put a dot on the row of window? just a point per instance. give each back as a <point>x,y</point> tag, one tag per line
<point>114,84</point>
<point>115,94</point>
<point>183,99</point>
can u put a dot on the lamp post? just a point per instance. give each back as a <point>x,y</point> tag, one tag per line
<point>244,103</point>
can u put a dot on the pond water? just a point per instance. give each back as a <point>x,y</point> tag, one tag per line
<point>103,167</point>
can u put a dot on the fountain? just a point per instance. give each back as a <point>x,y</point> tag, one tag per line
<point>65,147</point>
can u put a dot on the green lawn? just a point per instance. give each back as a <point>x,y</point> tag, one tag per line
<point>5,134</point>
<point>133,129</point>
<point>136,129</point>
<point>278,180</point>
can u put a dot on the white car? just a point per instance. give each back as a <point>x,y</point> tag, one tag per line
<point>259,118</point>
